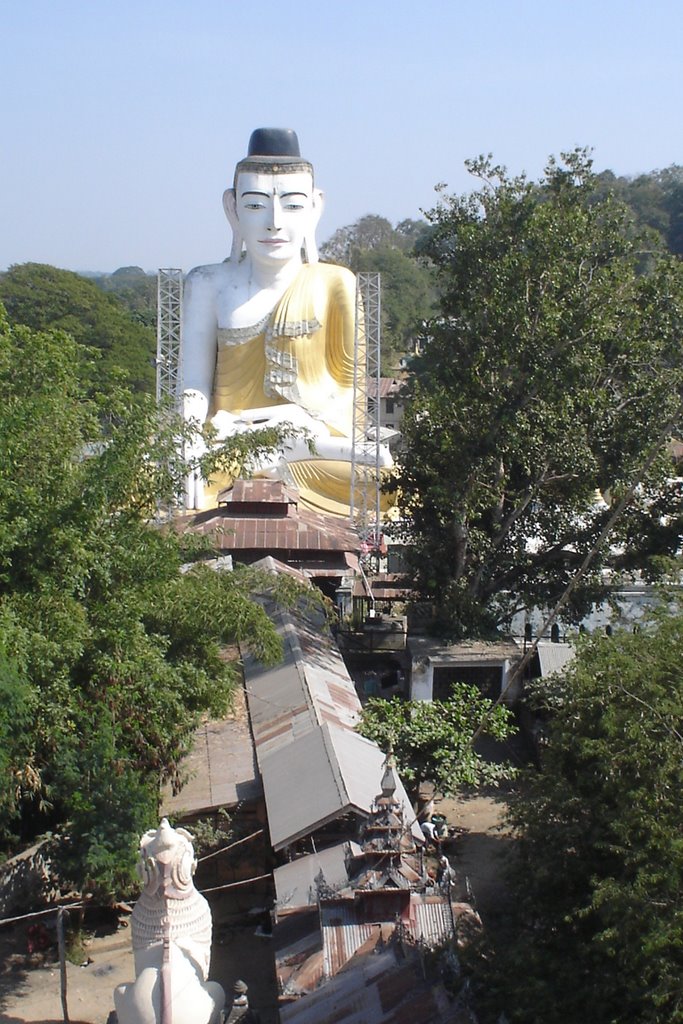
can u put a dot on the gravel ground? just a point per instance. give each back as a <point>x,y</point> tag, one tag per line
<point>479,851</point>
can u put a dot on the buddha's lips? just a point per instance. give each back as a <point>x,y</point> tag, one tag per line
<point>273,241</point>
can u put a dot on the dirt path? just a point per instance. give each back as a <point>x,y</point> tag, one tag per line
<point>30,992</point>
<point>478,853</point>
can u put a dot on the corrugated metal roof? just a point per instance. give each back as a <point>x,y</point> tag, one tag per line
<point>304,785</point>
<point>554,657</point>
<point>347,928</point>
<point>362,766</point>
<point>308,687</point>
<point>275,491</point>
<point>318,777</point>
<point>343,934</point>
<point>381,986</point>
<point>346,925</point>
<point>298,950</point>
<point>389,387</point>
<point>271,524</point>
<point>431,919</point>
<point>295,883</point>
<point>314,766</point>
<point>221,768</point>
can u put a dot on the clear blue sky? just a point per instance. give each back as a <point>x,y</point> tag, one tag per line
<point>122,121</point>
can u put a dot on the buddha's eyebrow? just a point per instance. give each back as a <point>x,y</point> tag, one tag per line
<point>267,195</point>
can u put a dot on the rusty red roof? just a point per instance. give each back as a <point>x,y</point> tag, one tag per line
<point>389,387</point>
<point>310,686</point>
<point>385,586</point>
<point>261,491</point>
<point>263,516</point>
<point>382,981</point>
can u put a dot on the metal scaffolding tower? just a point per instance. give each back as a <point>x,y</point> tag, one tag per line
<point>365,457</point>
<point>169,327</point>
<point>168,361</point>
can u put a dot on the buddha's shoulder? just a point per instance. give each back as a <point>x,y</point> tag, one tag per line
<point>334,274</point>
<point>211,274</point>
<point>337,283</point>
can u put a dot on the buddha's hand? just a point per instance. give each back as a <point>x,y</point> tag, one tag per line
<point>225,424</point>
<point>284,415</point>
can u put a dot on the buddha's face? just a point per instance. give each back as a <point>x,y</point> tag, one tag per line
<point>275,213</point>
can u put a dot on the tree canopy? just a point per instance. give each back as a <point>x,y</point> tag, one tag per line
<point>116,346</point>
<point>135,290</point>
<point>656,200</point>
<point>109,654</point>
<point>371,244</point>
<point>595,921</point>
<point>432,740</point>
<point>551,369</point>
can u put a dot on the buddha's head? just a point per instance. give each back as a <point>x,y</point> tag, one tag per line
<point>273,207</point>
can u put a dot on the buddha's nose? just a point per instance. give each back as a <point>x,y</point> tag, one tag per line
<point>275,214</point>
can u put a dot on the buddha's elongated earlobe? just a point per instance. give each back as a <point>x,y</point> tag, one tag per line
<point>230,208</point>
<point>310,244</point>
<point>237,250</point>
<point>310,248</point>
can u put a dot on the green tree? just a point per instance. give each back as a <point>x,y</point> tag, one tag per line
<point>431,740</point>
<point>16,711</point>
<point>552,369</point>
<point>135,290</point>
<point>407,298</point>
<point>115,345</point>
<point>368,232</point>
<point>408,295</point>
<point>595,926</point>
<point>656,200</point>
<point>112,653</point>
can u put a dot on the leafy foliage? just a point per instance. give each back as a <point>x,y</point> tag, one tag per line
<point>116,346</point>
<point>112,654</point>
<point>597,920</point>
<point>135,290</point>
<point>656,200</point>
<point>431,740</point>
<point>553,367</point>
<point>210,834</point>
<point>372,244</point>
<point>16,711</point>
<point>407,299</point>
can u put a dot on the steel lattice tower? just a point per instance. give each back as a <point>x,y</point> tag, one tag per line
<point>365,458</point>
<point>169,334</point>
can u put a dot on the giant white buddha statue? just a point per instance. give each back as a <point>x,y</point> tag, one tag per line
<point>268,335</point>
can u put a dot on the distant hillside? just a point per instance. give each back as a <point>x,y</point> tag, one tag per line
<point>135,289</point>
<point>117,329</point>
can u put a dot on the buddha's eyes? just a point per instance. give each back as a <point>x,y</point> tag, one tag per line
<point>256,205</point>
